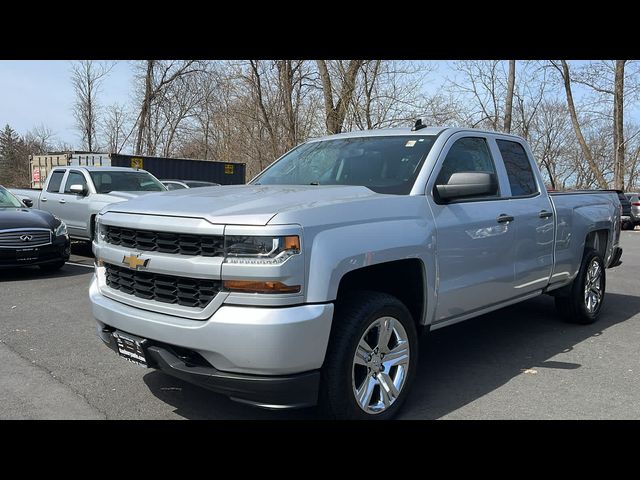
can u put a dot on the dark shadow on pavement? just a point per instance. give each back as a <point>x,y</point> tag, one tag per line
<point>464,362</point>
<point>457,365</point>
<point>34,273</point>
<point>82,249</point>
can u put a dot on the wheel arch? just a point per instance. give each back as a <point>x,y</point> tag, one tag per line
<point>405,279</point>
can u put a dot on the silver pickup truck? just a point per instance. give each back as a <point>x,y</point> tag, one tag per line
<point>311,284</point>
<point>76,194</point>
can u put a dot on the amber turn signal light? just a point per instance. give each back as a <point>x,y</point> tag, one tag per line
<point>292,242</point>
<point>251,286</point>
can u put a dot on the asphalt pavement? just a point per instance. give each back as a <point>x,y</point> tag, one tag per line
<point>521,362</point>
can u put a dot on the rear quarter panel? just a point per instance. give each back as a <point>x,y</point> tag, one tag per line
<point>578,215</point>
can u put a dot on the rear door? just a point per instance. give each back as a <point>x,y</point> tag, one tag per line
<point>475,238</point>
<point>76,207</point>
<point>531,208</point>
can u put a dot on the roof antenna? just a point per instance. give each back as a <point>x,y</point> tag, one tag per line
<point>418,125</point>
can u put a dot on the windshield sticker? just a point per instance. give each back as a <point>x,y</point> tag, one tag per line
<point>410,143</point>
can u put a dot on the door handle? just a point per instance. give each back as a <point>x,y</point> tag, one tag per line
<point>504,218</point>
<point>545,214</point>
<point>43,199</point>
<point>62,200</point>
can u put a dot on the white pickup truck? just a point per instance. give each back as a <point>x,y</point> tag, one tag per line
<point>76,194</point>
<point>312,283</point>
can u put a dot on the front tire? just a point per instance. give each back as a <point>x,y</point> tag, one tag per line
<point>586,294</point>
<point>371,359</point>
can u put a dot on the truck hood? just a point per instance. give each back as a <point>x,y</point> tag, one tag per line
<point>241,204</point>
<point>25,218</point>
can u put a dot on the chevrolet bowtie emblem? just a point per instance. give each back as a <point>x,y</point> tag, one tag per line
<point>133,261</point>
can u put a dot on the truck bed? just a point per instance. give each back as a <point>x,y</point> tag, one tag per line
<point>577,213</point>
<point>31,193</point>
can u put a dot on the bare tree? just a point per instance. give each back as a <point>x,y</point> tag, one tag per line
<point>564,71</point>
<point>178,106</point>
<point>87,77</point>
<point>388,93</point>
<point>618,125</point>
<point>340,85</point>
<point>260,100</point>
<point>41,138</point>
<point>509,100</point>
<point>252,111</point>
<point>552,140</point>
<point>157,76</point>
<point>606,81</point>
<point>116,128</point>
<point>482,85</point>
<point>286,73</point>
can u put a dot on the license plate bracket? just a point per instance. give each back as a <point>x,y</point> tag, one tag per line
<point>131,347</point>
<point>27,254</point>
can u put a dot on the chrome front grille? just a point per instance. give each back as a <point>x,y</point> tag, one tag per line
<point>24,238</point>
<point>165,242</point>
<point>189,292</point>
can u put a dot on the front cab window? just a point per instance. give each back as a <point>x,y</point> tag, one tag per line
<point>467,173</point>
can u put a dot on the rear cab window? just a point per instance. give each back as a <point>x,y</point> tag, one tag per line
<point>521,178</point>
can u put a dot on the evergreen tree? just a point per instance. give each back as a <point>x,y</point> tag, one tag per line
<point>8,141</point>
<point>14,163</point>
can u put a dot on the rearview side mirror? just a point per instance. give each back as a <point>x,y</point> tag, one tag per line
<point>468,184</point>
<point>27,202</point>
<point>78,189</point>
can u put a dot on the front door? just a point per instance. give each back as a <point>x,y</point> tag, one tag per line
<point>475,238</point>
<point>76,206</point>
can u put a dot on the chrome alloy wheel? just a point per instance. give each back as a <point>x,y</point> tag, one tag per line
<point>593,286</point>
<point>380,365</point>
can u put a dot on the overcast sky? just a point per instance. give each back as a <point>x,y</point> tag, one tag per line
<point>38,92</point>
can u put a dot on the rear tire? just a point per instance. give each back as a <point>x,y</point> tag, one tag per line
<point>357,382</point>
<point>51,267</point>
<point>583,301</point>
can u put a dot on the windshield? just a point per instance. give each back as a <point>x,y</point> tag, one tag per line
<point>382,164</point>
<point>7,200</point>
<point>110,181</point>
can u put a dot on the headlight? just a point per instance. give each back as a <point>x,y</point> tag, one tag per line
<point>260,250</point>
<point>100,231</point>
<point>61,230</point>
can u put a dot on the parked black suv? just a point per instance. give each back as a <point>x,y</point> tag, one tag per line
<point>29,236</point>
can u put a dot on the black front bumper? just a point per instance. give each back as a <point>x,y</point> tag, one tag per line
<point>277,392</point>
<point>57,251</point>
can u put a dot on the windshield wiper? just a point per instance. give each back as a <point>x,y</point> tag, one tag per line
<point>315,183</point>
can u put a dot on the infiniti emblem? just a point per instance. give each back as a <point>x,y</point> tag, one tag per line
<point>26,238</point>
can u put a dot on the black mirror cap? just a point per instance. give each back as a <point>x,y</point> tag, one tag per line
<point>468,184</point>
<point>27,202</point>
